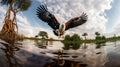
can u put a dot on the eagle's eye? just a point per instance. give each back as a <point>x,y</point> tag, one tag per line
<point>57,31</point>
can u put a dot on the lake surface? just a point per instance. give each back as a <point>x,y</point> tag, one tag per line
<point>30,53</point>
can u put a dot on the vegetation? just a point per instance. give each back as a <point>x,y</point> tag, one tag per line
<point>85,35</point>
<point>99,38</point>
<point>97,33</point>
<point>35,38</point>
<point>42,34</point>
<point>72,42</point>
<point>32,38</point>
<point>77,39</point>
<point>67,38</point>
<point>9,30</point>
<point>73,45</point>
<point>73,39</point>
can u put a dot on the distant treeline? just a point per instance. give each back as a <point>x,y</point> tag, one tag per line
<point>75,38</point>
<point>98,39</point>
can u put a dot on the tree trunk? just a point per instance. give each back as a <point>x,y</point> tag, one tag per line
<point>8,32</point>
<point>85,38</point>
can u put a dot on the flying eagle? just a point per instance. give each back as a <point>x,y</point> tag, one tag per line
<point>58,29</point>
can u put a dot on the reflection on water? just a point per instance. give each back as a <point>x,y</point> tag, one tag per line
<point>99,45</point>
<point>41,44</point>
<point>9,51</point>
<point>58,54</point>
<point>74,46</point>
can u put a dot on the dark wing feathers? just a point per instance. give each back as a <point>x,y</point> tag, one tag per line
<point>74,22</point>
<point>46,16</point>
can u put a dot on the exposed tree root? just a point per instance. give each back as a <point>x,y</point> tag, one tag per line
<point>9,31</point>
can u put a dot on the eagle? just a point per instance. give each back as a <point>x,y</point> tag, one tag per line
<point>59,29</point>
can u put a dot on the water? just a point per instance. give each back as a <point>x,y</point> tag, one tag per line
<point>57,54</point>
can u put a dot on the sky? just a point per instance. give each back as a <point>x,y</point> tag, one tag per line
<point>102,17</point>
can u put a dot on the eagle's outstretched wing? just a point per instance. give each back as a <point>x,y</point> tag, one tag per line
<point>74,22</point>
<point>46,16</point>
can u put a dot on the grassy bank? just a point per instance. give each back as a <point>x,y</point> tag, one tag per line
<point>110,39</point>
<point>34,38</point>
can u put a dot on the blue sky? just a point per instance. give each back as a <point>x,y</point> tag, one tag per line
<point>102,16</point>
<point>112,14</point>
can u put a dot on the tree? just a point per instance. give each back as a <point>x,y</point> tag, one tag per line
<point>67,38</point>
<point>97,33</point>
<point>66,45</point>
<point>75,37</point>
<point>85,35</point>
<point>10,28</point>
<point>97,36</point>
<point>43,34</point>
<point>75,46</point>
<point>103,37</point>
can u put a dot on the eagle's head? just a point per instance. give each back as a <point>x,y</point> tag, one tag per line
<point>59,32</point>
<point>56,32</point>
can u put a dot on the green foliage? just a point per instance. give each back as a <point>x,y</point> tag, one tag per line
<point>71,45</point>
<point>75,37</point>
<point>22,4</point>
<point>71,42</point>
<point>66,46</point>
<point>75,46</point>
<point>103,37</point>
<point>17,4</point>
<point>85,34</point>
<point>97,33</point>
<point>67,38</point>
<point>43,34</point>
<point>6,2</point>
<point>36,35</point>
<point>100,38</point>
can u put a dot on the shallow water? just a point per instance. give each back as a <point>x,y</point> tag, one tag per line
<point>57,54</point>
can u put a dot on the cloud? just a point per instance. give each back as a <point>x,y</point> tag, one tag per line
<point>24,25</point>
<point>116,27</point>
<point>66,9</point>
<point>26,28</point>
<point>114,24</point>
<point>2,14</point>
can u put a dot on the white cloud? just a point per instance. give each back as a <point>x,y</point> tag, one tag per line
<point>64,10</point>
<point>116,27</point>
<point>27,29</point>
<point>114,21</point>
<point>2,15</point>
<point>24,25</point>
